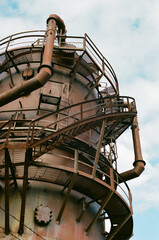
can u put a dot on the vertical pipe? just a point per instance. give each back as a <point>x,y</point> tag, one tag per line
<point>45,70</point>
<point>139,163</point>
<point>49,45</point>
<point>136,140</point>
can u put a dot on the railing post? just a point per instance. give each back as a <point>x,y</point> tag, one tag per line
<point>9,129</point>
<point>8,43</point>
<point>10,73</point>
<point>32,134</point>
<point>128,104</point>
<point>103,65</point>
<point>27,141</point>
<point>111,168</point>
<point>81,111</point>
<point>76,161</point>
<point>84,42</point>
<point>112,177</point>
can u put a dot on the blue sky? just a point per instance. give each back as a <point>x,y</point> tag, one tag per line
<point>126,32</point>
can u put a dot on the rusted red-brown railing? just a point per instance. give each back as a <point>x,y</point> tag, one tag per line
<point>31,129</point>
<point>80,111</point>
<point>36,39</point>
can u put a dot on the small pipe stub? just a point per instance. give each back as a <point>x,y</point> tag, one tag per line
<point>28,73</point>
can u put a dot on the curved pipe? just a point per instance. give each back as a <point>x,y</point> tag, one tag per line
<point>139,164</point>
<point>59,22</point>
<point>45,70</point>
<point>61,27</point>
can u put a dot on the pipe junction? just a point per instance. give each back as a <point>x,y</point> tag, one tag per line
<point>45,71</point>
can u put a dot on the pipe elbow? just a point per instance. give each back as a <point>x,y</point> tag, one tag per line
<point>139,164</point>
<point>59,22</point>
<point>45,71</point>
<point>139,167</point>
<point>43,77</point>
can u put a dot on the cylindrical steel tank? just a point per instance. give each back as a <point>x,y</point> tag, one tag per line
<point>60,116</point>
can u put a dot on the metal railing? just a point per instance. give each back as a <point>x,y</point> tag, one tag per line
<point>34,39</point>
<point>19,39</point>
<point>83,111</point>
<point>76,165</point>
<point>86,44</point>
<point>29,131</point>
<point>73,114</point>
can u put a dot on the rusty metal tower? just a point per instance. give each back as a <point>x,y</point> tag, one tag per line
<point>60,116</point>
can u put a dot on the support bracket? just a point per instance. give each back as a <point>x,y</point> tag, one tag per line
<point>103,205</point>
<point>117,229</point>
<point>58,219</point>
<point>28,155</point>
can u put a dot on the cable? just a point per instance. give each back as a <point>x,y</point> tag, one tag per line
<point>23,224</point>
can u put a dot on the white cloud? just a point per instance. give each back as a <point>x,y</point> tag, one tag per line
<point>146,189</point>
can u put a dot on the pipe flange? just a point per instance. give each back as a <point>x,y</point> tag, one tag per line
<point>138,161</point>
<point>42,215</point>
<point>45,66</point>
<point>47,21</point>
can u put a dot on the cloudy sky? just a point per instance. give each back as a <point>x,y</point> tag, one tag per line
<point>127,33</point>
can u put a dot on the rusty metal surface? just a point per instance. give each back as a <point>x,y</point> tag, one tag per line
<point>139,163</point>
<point>58,144</point>
<point>85,45</point>
<point>36,195</point>
<point>83,183</point>
<point>45,70</point>
<point>81,116</point>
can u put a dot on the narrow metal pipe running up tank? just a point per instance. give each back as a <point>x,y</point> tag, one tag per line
<point>60,117</point>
